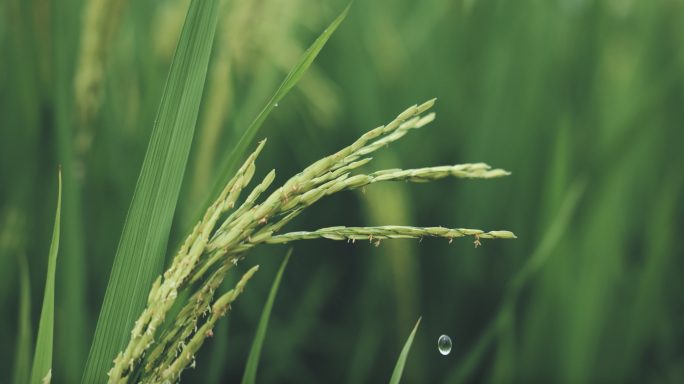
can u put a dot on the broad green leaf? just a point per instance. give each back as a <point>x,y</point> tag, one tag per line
<point>22,362</point>
<point>140,256</point>
<point>254,353</point>
<point>230,164</point>
<point>42,360</point>
<point>399,368</point>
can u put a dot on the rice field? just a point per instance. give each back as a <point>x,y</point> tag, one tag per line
<point>576,104</point>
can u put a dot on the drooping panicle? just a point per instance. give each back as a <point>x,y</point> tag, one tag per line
<point>214,253</point>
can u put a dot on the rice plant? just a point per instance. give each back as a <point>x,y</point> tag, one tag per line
<point>125,265</point>
<point>213,252</point>
<point>209,253</point>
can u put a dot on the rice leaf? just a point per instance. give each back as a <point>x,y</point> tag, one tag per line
<point>399,368</point>
<point>42,360</point>
<point>254,353</point>
<point>140,255</point>
<point>229,166</point>
<point>22,362</point>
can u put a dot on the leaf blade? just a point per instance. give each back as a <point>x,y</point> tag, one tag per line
<point>231,162</point>
<point>140,255</point>
<point>22,363</point>
<point>255,351</point>
<point>399,368</point>
<point>42,359</point>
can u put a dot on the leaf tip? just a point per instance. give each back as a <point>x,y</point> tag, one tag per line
<point>48,377</point>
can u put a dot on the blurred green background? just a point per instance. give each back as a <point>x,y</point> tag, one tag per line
<point>582,100</point>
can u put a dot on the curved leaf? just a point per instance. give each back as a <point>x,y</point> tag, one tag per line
<point>230,164</point>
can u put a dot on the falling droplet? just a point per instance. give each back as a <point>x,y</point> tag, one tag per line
<point>276,104</point>
<point>444,344</point>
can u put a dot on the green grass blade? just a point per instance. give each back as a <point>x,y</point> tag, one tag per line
<point>140,256</point>
<point>230,164</point>
<point>399,368</point>
<point>42,360</point>
<point>22,362</point>
<point>254,353</point>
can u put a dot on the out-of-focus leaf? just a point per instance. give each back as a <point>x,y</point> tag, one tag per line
<point>254,353</point>
<point>42,360</point>
<point>399,368</point>
<point>140,256</point>
<point>556,230</point>
<point>22,364</point>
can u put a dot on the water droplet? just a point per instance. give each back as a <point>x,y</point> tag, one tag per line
<point>276,104</point>
<point>444,344</point>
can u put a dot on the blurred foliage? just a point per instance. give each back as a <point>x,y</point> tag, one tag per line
<point>560,92</point>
